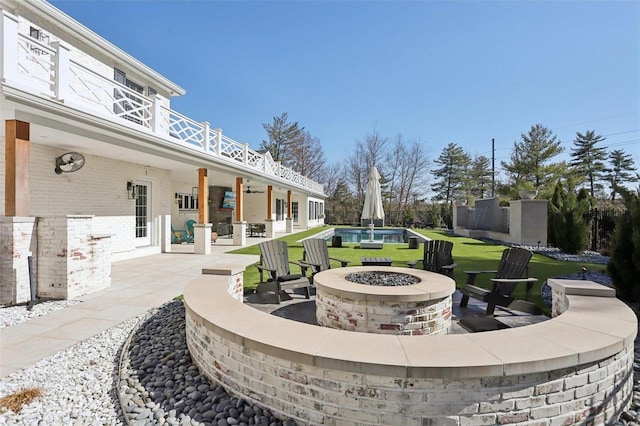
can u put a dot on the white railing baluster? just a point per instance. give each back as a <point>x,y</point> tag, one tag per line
<point>205,136</point>
<point>156,115</point>
<point>9,38</point>
<point>61,71</point>
<point>246,154</point>
<point>218,149</point>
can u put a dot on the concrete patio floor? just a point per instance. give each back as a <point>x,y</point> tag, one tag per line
<point>137,285</point>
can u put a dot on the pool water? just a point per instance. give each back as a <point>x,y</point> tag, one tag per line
<point>387,235</point>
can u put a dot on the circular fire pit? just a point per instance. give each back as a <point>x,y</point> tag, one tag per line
<point>391,300</point>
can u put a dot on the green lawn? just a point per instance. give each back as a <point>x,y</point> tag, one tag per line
<point>469,254</point>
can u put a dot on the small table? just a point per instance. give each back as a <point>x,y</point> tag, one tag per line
<point>256,228</point>
<point>375,261</point>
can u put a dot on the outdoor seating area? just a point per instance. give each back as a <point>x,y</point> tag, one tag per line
<point>274,260</point>
<point>183,236</point>
<point>512,266</point>
<point>499,299</point>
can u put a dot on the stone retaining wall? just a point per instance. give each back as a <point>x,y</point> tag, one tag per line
<point>574,369</point>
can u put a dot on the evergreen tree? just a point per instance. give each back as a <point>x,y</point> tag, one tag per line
<point>588,159</point>
<point>530,163</point>
<point>620,171</point>
<point>624,262</point>
<point>567,218</point>
<point>450,176</point>
<point>480,177</point>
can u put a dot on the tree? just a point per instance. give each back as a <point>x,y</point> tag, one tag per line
<point>369,152</point>
<point>624,262</point>
<point>588,159</point>
<point>405,163</point>
<point>307,157</point>
<point>450,176</point>
<point>283,136</point>
<point>479,176</point>
<point>620,171</point>
<point>530,164</point>
<point>567,224</point>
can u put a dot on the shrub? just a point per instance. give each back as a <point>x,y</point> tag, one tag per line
<point>567,227</point>
<point>624,263</point>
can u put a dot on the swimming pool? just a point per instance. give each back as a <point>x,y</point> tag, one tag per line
<point>387,235</point>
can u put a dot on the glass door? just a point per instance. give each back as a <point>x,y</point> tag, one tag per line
<point>143,214</point>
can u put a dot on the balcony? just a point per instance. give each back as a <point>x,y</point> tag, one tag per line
<point>48,70</point>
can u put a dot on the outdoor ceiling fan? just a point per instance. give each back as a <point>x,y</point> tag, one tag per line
<point>249,191</point>
<point>69,162</point>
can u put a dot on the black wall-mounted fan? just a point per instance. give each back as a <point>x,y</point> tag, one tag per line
<point>69,162</point>
<point>249,191</point>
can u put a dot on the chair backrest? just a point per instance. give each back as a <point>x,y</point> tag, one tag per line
<point>274,255</point>
<point>189,225</point>
<point>437,253</point>
<point>316,252</point>
<point>514,264</point>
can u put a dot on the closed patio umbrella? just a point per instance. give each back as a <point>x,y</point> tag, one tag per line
<point>373,198</point>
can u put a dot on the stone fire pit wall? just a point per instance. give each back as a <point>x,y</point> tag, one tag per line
<point>417,309</point>
<point>576,368</point>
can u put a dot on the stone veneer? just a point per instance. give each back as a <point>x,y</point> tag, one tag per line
<point>576,368</point>
<point>417,309</point>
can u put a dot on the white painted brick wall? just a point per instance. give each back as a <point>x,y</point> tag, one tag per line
<point>70,261</point>
<point>99,189</point>
<point>17,242</point>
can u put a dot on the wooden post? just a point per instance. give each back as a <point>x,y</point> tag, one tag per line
<point>288,204</point>
<point>269,202</point>
<point>16,181</point>
<point>239,199</point>
<point>203,196</point>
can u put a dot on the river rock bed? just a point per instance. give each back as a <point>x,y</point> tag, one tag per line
<point>159,384</point>
<point>384,279</point>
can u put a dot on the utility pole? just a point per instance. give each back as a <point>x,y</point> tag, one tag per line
<point>493,168</point>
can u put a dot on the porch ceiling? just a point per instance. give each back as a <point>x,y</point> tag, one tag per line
<point>116,141</point>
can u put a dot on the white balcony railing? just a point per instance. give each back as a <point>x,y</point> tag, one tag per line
<point>47,70</point>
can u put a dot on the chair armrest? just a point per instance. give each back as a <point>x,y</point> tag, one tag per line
<point>450,267</point>
<point>262,268</point>
<point>514,280</point>
<point>303,266</point>
<point>471,275</point>
<point>528,281</point>
<point>344,262</point>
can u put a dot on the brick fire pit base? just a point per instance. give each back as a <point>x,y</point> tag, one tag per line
<point>417,309</point>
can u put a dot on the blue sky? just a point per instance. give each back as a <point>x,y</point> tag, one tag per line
<point>437,72</point>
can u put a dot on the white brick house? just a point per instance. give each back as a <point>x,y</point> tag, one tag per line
<point>147,168</point>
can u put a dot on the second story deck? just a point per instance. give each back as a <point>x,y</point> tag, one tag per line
<point>42,63</point>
